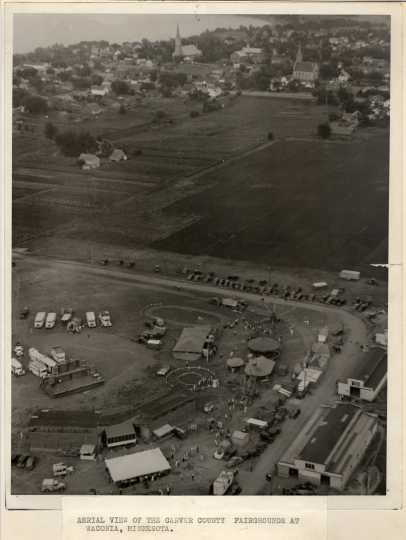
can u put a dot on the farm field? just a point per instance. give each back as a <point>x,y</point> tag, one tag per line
<point>330,211</point>
<point>190,174</point>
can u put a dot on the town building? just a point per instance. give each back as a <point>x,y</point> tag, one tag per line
<point>306,72</point>
<point>368,378</point>
<point>330,446</point>
<point>185,52</point>
<point>248,55</point>
<point>131,468</point>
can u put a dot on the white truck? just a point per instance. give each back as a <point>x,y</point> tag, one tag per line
<point>49,363</point>
<point>17,367</point>
<point>37,368</point>
<point>91,319</point>
<point>58,354</point>
<point>50,320</point>
<point>105,319</point>
<point>223,482</point>
<point>50,484</point>
<point>39,319</point>
<point>19,350</point>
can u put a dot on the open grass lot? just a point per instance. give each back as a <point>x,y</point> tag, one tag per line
<point>298,203</point>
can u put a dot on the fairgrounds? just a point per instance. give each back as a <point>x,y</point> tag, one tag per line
<point>127,295</point>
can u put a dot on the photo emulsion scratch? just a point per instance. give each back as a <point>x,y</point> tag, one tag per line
<point>198,208</point>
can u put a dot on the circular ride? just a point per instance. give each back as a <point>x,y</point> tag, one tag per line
<point>265,346</point>
<point>192,378</point>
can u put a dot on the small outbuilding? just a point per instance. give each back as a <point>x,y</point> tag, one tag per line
<point>118,155</point>
<point>89,161</point>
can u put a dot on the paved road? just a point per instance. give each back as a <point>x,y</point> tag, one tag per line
<point>341,365</point>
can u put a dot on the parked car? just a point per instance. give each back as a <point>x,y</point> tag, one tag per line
<point>24,312</point>
<point>104,318</point>
<point>21,460</point>
<point>31,463</point>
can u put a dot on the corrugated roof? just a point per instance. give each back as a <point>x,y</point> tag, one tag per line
<point>371,367</point>
<point>135,465</point>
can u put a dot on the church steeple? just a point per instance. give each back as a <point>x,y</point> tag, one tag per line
<point>178,43</point>
<point>299,55</point>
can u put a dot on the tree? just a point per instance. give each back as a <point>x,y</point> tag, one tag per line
<point>324,131</point>
<point>50,130</point>
<point>72,144</point>
<point>120,87</point>
<point>96,79</point>
<point>35,104</point>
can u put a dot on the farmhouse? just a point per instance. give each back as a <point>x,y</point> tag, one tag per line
<point>125,470</point>
<point>307,72</point>
<point>330,446</point>
<point>368,379</point>
<point>89,161</point>
<point>193,343</point>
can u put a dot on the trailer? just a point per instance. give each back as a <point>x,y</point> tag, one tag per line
<point>50,364</point>
<point>350,275</point>
<point>90,319</point>
<point>17,367</point>
<point>37,368</point>
<point>223,482</point>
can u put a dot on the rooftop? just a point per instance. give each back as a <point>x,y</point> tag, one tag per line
<point>192,339</point>
<point>372,368</point>
<point>118,430</point>
<point>50,417</point>
<point>329,428</point>
<point>138,464</point>
<point>305,66</point>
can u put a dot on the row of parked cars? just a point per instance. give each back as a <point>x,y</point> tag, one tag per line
<point>286,292</point>
<point>48,320</point>
<point>23,461</point>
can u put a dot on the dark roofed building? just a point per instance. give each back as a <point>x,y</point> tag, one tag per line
<point>330,446</point>
<point>368,378</point>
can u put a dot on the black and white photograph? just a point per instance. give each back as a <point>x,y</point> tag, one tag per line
<point>200,236</point>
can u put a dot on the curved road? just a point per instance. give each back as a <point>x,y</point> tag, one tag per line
<point>341,365</point>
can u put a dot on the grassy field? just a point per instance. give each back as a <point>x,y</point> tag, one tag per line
<point>299,202</point>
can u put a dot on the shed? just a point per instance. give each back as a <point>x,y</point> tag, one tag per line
<point>129,468</point>
<point>120,434</point>
<point>163,431</point>
<point>87,452</point>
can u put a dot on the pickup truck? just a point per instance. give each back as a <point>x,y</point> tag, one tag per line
<point>50,484</point>
<point>90,319</point>
<point>50,320</point>
<point>39,320</point>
